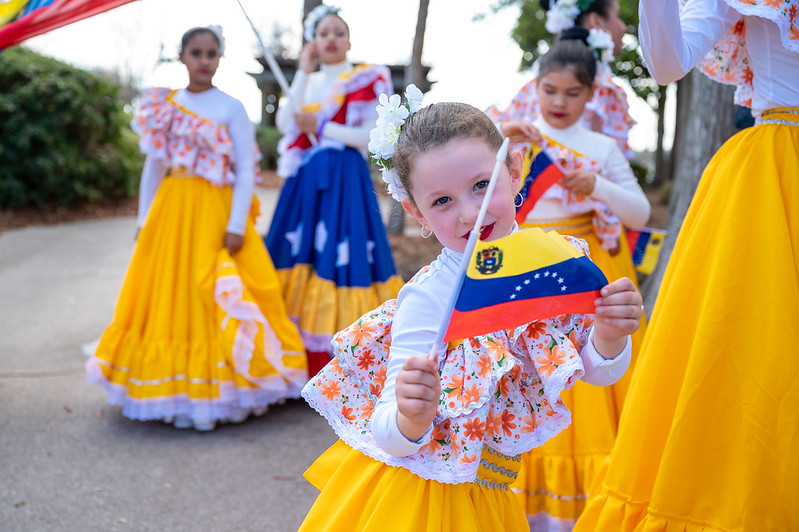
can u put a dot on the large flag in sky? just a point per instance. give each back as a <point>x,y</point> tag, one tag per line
<point>529,275</point>
<point>540,172</point>
<point>35,17</point>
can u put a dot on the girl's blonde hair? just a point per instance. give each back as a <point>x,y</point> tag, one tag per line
<point>435,125</point>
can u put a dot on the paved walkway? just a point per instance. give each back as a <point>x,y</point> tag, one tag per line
<point>70,462</point>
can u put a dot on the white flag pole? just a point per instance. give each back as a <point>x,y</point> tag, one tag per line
<point>502,155</point>
<point>273,66</point>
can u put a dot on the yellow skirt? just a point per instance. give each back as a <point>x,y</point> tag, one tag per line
<point>359,493</point>
<point>709,438</point>
<point>196,332</point>
<point>555,478</point>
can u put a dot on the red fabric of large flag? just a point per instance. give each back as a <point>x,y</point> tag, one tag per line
<point>529,275</point>
<point>56,14</point>
<point>540,172</point>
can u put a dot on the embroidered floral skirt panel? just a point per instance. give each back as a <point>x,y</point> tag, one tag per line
<point>196,332</point>
<point>330,246</point>
<point>708,439</point>
<point>359,493</point>
<point>555,479</point>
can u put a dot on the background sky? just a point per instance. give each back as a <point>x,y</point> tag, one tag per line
<point>474,61</point>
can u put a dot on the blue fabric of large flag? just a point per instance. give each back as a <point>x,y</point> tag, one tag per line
<point>41,16</point>
<point>529,275</point>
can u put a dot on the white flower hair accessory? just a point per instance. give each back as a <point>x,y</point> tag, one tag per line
<point>313,18</point>
<point>391,116</point>
<point>601,43</point>
<point>561,15</point>
<point>217,29</point>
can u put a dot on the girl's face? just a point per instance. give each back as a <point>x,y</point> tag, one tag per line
<point>562,98</point>
<point>448,184</point>
<point>332,40</point>
<point>201,57</point>
<point>612,24</point>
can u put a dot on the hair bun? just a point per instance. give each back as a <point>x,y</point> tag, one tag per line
<point>575,33</point>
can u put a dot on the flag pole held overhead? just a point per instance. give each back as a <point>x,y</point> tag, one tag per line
<point>273,66</point>
<point>502,155</point>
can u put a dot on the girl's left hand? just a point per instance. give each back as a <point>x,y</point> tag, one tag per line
<point>618,314</point>
<point>579,182</point>
<point>233,242</point>
<point>306,122</point>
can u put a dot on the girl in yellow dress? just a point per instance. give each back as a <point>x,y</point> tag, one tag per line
<point>434,445</point>
<point>708,438</point>
<point>597,195</point>
<point>200,333</point>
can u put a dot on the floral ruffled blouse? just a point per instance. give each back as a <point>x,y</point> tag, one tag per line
<point>729,62</point>
<point>609,104</point>
<point>186,141</point>
<point>500,390</point>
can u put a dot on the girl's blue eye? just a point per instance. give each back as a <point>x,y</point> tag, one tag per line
<point>441,201</point>
<point>481,185</point>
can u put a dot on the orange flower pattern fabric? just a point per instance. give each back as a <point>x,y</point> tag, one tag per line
<point>728,61</point>
<point>186,141</point>
<point>500,391</point>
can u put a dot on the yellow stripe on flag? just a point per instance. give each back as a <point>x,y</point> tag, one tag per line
<point>521,252</point>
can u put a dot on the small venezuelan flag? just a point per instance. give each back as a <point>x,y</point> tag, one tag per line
<point>645,244</point>
<point>540,172</point>
<point>529,275</point>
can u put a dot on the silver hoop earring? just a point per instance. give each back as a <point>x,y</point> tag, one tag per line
<point>421,232</point>
<point>518,199</point>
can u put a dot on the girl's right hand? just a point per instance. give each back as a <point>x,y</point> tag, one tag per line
<point>520,131</point>
<point>418,390</point>
<point>309,58</point>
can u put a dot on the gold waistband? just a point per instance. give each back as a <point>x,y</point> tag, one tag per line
<point>497,470</point>
<point>579,225</point>
<point>788,116</point>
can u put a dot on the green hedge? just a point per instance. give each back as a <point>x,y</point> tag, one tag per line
<point>64,136</point>
<point>267,138</point>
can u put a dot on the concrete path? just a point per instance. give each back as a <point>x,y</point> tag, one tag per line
<point>71,462</point>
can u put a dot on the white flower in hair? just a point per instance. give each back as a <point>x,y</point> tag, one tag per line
<point>414,97</point>
<point>561,15</point>
<point>602,43</point>
<point>217,29</point>
<point>391,109</point>
<point>391,116</point>
<point>313,18</point>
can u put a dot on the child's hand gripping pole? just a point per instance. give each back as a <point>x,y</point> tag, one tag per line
<point>502,155</point>
<point>275,68</point>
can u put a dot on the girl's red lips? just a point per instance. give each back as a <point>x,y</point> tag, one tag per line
<point>485,232</point>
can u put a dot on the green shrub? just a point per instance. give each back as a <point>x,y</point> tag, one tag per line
<point>64,137</point>
<point>267,138</point>
<point>641,173</point>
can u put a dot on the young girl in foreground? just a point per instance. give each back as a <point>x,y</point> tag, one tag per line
<point>597,194</point>
<point>433,445</point>
<point>200,334</point>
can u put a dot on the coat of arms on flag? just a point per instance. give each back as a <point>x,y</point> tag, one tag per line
<point>526,276</point>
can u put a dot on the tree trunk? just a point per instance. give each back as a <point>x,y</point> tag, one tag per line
<point>705,120</point>
<point>661,165</point>
<point>413,74</point>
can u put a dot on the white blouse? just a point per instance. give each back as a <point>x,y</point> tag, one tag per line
<point>620,191</point>
<point>313,88</point>
<point>673,42</point>
<point>420,307</point>
<point>222,108</point>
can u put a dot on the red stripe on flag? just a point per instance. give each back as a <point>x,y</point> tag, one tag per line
<point>59,13</point>
<point>514,313</point>
<point>545,179</point>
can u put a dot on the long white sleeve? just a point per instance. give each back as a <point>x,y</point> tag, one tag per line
<point>151,177</point>
<point>242,133</point>
<point>353,136</point>
<point>295,100</point>
<point>674,42</point>
<point>622,194</point>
